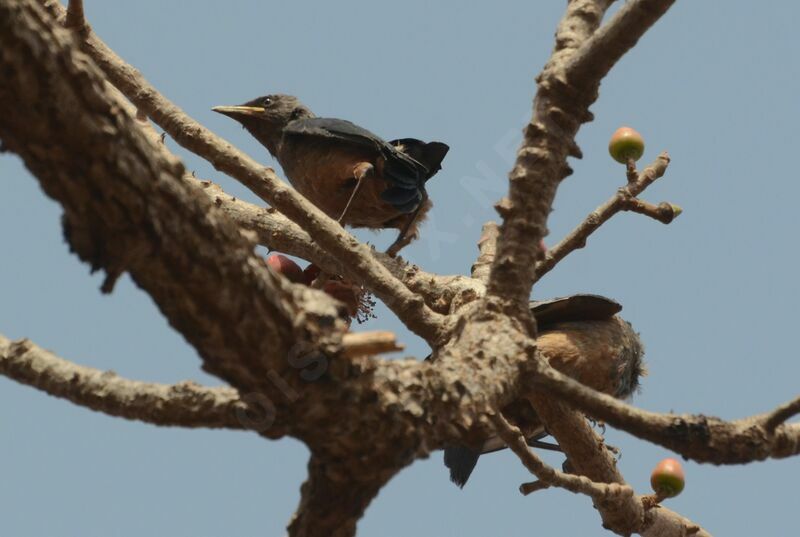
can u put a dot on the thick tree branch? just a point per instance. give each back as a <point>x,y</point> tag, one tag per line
<point>409,307</point>
<point>567,87</point>
<point>333,499</point>
<point>185,404</point>
<point>126,208</point>
<point>576,238</point>
<point>698,437</point>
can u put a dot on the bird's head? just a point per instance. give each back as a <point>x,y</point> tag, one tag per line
<point>265,117</point>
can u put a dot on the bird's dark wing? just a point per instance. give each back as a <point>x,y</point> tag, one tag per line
<point>332,129</point>
<point>430,154</point>
<point>574,308</point>
<point>406,175</point>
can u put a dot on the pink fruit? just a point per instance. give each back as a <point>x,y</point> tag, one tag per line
<point>283,265</point>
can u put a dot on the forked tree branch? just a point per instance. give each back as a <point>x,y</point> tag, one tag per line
<point>620,201</point>
<point>588,456</point>
<point>548,475</point>
<point>185,404</point>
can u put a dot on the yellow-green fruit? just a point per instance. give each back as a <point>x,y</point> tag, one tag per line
<point>667,478</point>
<point>626,144</point>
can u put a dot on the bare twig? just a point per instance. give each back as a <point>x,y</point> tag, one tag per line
<point>621,201</point>
<point>409,307</point>
<point>185,404</point>
<point>532,486</point>
<point>664,212</point>
<point>549,475</point>
<point>781,414</point>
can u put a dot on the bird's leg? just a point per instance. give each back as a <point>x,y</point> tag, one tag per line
<point>405,238</point>
<point>361,171</point>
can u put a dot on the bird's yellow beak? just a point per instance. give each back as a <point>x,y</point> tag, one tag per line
<point>239,110</point>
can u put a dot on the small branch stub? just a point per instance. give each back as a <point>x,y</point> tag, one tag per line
<point>664,212</point>
<point>369,343</point>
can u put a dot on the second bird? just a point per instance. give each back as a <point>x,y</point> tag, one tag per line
<point>350,173</point>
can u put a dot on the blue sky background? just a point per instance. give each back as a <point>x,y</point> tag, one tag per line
<point>714,294</point>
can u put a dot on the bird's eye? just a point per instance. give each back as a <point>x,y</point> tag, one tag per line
<point>267,101</point>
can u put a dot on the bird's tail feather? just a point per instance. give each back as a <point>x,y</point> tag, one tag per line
<point>461,461</point>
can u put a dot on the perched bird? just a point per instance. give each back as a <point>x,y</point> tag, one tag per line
<point>350,173</point>
<point>582,337</point>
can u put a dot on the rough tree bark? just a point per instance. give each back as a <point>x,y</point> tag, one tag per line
<point>130,207</point>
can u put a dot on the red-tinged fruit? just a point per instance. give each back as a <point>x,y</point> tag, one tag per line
<point>626,144</point>
<point>668,478</point>
<point>285,266</point>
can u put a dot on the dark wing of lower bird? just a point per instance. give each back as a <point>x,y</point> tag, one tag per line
<point>574,308</point>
